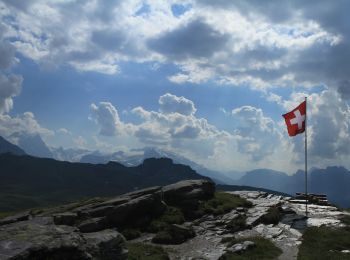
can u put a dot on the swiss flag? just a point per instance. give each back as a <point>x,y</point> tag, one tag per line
<point>295,120</point>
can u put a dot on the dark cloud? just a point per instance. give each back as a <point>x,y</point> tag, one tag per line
<point>19,4</point>
<point>110,40</point>
<point>344,89</point>
<point>196,39</point>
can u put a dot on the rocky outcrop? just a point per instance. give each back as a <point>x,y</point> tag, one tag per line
<point>92,229</point>
<point>89,230</point>
<point>40,238</point>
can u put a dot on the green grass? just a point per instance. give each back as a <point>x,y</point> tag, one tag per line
<point>171,215</point>
<point>131,233</point>
<point>223,203</point>
<point>6,214</point>
<point>173,236</point>
<point>264,249</point>
<point>324,243</point>
<point>237,224</point>
<point>345,219</point>
<point>139,251</point>
<point>272,216</point>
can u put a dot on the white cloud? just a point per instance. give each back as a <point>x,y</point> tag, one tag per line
<point>258,135</point>
<point>106,115</point>
<point>256,139</point>
<point>10,86</point>
<point>25,123</point>
<point>328,127</point>
<point>172,104</point>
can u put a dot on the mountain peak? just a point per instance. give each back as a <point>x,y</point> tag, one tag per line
<point>8,147</point>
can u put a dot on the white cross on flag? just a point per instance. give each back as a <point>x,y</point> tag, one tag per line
<point>295,120</point>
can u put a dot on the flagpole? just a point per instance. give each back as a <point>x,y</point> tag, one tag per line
<point>307,197</point>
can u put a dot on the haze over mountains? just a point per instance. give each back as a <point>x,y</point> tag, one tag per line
<point>333,181</point>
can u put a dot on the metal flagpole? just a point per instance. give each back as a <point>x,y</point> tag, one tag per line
<point>307,197</point>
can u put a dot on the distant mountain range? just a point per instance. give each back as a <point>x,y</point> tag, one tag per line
<point>333,181</point>
<point>35,146</point>
<point>32,182</point>
<point>151,152</point>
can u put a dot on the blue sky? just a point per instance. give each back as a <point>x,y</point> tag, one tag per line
<point>206,80</point>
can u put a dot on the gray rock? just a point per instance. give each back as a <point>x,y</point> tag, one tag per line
<point>93,225</point>
<point>241,247</point>
<point>106,245</point>
<point>248,244</point>
<point>188,190</point>
<point>137,211</point>
<point>66,218</point>
<point>143,192</point>
<point>15,218</point>
<point>41,239</point>
<point>97,211</point>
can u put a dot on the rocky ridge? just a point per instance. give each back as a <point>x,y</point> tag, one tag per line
<point>92,229</point>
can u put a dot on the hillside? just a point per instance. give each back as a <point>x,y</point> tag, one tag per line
<point>32,182</point>
<point>7,147</point>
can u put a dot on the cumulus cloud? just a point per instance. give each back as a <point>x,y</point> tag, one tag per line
<point>23,124</point>
<point>170,104</point>
<point>176,127</point>
<point>261,45</point>
<point>257,135</point>
<point>10,84</point>
<point>106,116</point>
<point>328,127</point>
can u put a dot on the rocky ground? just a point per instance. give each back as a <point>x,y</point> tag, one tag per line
<point>92,229</point>
<point>286,234</point>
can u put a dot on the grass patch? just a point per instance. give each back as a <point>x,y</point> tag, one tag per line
<point>264,249</point>
<point>272,216</point>
<point>6,214</point>
<point>237,224</point>
<point>139,251</point>
<point>345,219</point>
<point>131,233</point>
<point>171,215</point>
<point>324,243</point>
<point>223,203</point>
<point>173,235</point>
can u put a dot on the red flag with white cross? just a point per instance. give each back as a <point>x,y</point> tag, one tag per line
<point>295,120</point>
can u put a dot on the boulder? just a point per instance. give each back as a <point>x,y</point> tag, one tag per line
<point>65,218</point>
<point>93,225</point>
<point>142,192</point>
<point>15,218</point>
<point>188,190</point>
<point>106,245</point>
<point>137,211</point>
<point>40,238</point>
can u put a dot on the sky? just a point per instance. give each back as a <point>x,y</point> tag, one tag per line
<point>208,80</point>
